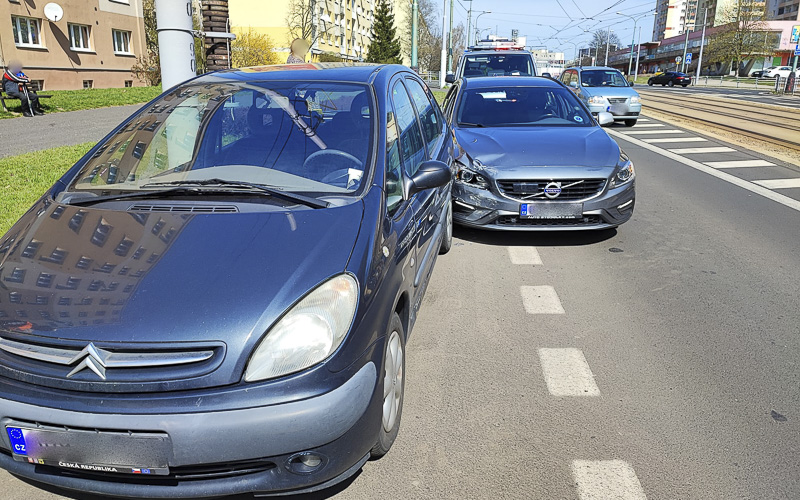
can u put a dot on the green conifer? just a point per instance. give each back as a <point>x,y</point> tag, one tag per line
<point>385,46</point>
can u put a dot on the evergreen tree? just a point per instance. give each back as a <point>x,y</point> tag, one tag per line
<point>385,46</point>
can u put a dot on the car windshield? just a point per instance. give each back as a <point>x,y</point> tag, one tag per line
<point>521,106</point>
<point>294,136</point>
<point>497,65</point>
<point>603,78</point>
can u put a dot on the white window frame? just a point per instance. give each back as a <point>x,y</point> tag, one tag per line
<point>127,42</point>
<point>17,21</point>
<point>84,33</point>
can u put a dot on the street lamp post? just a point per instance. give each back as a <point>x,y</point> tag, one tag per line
<point>414,34</point>
<point>635,20</point>
<point>482,12</point>
<point>608,44</point>
<point>702,43</point>
<point>638,49</point>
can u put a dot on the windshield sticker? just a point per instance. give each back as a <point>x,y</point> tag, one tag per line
<point>578,119</point>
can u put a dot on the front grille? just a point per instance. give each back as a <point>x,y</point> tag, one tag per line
<point>617,100</point>
<point>86,366</point>
<point>571,189</point>
<point>193,209</point>
<point>513,220</point>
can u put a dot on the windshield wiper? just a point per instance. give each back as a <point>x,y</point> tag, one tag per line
<point>251,186</point>
<point>467,124</point>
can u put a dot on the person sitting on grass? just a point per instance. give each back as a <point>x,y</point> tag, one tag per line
<point>15,84</point>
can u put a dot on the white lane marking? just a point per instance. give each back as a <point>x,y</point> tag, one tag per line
<point>524,256</point>
<point>716,149</point>
<point>567,373</point>
<point>651,132</point>
<point>779,183</point>
<point>753,188</point>
<point>643,120</point>
<point>606,480</point>
<point>650,125</point>
<point>541,300</point>
<point>675,139</point>
<point>740,164</point>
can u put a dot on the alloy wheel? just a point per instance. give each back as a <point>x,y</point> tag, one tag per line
<point>392,381</point>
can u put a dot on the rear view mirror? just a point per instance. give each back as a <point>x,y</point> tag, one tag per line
<point>547,75</point>
<point>605,118</point>
<point>574,85</point>
<point>431,174</point>
<point>630,83</point>
<point>450,78</point>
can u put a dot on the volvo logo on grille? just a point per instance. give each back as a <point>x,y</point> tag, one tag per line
<point>552,190</point>
<point>90,357</point>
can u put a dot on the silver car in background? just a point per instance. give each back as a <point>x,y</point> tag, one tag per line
<point>604,89</point>
<point>530,157</point>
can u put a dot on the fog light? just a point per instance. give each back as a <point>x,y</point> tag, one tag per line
<point>625,205</point>
<point>305,463</point>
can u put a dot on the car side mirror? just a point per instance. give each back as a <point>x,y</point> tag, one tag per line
<point>574,85</point>
<point>431,174</point>
<point>547,75</point>
<point>630,83</point>
<point>605,118</point>
<point>450,78</point>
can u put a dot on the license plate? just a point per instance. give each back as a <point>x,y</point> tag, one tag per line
<point>92,451</point>
<point>551,210</point>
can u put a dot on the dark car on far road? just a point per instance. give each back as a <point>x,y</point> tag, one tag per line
<point>216,298</point>
<point>670,79</point>
<point>531,157</point>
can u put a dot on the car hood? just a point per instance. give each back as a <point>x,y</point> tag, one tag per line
<point>69,275</point>
<point>610,91</point>
<point>505,152</point>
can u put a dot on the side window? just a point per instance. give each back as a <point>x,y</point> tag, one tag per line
<point>565,78</point>
<point>429,115</point>
<point>394,166</point>
<point>412,147</point>
<point>450,100</point>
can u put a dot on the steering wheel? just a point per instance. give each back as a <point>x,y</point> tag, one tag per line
<point>332,152</point>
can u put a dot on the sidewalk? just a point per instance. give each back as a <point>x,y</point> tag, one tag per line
<point>22,135</point>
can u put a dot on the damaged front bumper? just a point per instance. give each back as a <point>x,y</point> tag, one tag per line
<point>482,208</point>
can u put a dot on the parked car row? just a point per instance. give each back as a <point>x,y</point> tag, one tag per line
<point>216,299</point>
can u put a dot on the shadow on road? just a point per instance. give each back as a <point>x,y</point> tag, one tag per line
<point>320,495</point>
<point>534,238</point>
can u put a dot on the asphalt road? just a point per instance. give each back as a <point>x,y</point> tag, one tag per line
<point>761,95</point>
<point>672,373</point>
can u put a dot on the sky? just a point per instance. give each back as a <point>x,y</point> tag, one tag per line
<point>557,24</point>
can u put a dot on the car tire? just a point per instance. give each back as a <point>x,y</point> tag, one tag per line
<point>650,83</point>
<point>671,83</point>
<point>393,373</point>
<point>447,238</point>
<point>630,123</point>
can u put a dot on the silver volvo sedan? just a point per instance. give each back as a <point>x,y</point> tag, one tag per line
<point>532,157</point>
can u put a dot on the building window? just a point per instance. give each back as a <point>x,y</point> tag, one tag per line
<point>128,83</point>
<point>88,84</point>
<point>79,37</point>
<point>26,31</point>
<point>122,41</point>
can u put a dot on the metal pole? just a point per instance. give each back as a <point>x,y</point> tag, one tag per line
<point>414,32</point>
<point>445,38</point>
<point>450,40</point>
<point>469,23</point>
<point>685,47</point>
<point>175,41</point>
<point>638,49</point>
<point>633,40</point>
<point>608,44</point>
<point>702,44</point>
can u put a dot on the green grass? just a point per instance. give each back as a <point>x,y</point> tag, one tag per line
<point>24,178</point>
<point>74,100</point>
<point>439,95</point>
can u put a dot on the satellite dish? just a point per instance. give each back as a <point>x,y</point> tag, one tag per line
<point>53,12</point>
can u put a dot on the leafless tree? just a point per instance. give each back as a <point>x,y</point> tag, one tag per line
<point>303,22</point>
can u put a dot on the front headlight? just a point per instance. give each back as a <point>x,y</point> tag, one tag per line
<point>468,176</point>
<point>625,172</point>
<point>310,332</point>
<point>635,100</point>
<point>596,99</point>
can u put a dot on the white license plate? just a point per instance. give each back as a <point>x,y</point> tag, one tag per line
<point>551,210</point>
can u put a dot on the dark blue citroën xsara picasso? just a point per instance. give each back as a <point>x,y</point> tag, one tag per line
<point>216,298</point>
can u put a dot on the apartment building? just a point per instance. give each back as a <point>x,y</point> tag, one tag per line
<point>720,11</point>
<point>783,10</point>
<point>674,17</point>
<point>343,27</point>
<point>93,43</point>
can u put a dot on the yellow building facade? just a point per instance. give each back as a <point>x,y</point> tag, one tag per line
<point>343,27</point>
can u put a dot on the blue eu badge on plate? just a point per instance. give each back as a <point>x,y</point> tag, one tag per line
<point>17,439</point>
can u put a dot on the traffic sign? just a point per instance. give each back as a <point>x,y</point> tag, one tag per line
<point>797,50</point>
<point>678,59</point>
<point>795,34</point>
<point>688,57</point>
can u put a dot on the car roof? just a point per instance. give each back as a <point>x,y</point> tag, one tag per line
<point>585,68</point>
<point>508,81</point>
<point>346,72</point>
<point>497,51</point>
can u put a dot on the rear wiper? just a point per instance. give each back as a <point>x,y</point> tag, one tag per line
<point>277,193</point>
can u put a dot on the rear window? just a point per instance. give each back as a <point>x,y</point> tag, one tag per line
<point>497,65</point>
<point>521,106</point>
